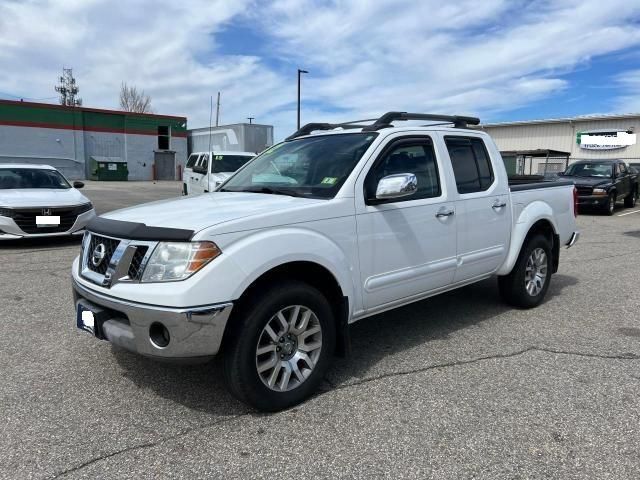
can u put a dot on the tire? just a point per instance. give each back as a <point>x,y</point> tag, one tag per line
<point>610,206</point>
<point>630,200</point>
<point>514,286</point>
<point>242,358</point>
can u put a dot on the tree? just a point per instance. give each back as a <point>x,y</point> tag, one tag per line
<point>132,100</point>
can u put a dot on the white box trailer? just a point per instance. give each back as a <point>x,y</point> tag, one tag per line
<point>239,137</point>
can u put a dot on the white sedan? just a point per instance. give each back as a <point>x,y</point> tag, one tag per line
<point>38,201</point>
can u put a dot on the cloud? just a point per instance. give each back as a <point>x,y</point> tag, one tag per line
<point>364,57</point>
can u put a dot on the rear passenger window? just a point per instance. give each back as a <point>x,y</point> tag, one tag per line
<point>471,164</point>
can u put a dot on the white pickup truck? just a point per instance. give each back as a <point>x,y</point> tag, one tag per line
<point>205,171</point>
<point>318,232</point>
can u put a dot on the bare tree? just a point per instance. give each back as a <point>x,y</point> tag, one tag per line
<point>132,100</point>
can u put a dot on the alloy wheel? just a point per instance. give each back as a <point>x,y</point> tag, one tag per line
<point>288,348</point>
<point>535,274</point>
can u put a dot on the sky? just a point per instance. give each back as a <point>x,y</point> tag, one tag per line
<point>500,60</point>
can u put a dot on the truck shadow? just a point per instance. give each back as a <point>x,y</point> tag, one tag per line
<point>201,387</point>
<point>40,243</point>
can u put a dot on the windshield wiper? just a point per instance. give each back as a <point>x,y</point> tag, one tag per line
<point>267,190</point>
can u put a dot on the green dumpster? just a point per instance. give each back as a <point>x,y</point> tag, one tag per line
<point>108,169</point>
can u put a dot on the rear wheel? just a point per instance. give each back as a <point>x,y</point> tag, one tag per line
<point>610,206</point>
<point>528,282</point>
<point>281,347</point>
<point>631,199</point>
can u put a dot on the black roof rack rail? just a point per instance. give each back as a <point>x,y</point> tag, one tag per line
<point>312,127</point>
<point>386,120</point>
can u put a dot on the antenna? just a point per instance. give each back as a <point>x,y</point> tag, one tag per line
<point>217,110</point>
<point>251,119</point>
<point>68,89</point>
<point>210,115</point>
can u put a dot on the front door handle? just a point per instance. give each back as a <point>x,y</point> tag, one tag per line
<point>497,204</point>
<point>444,213</point>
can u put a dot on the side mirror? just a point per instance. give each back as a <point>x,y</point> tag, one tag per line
<point>77,184</point>
<point>396,186</point>
<point>560,174</point>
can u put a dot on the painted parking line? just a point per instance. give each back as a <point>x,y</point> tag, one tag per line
<point>628,213</point>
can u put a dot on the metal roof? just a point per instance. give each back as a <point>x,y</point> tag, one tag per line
<point>582,118</point>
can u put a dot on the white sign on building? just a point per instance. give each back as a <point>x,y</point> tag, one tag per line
<point>605,140</point>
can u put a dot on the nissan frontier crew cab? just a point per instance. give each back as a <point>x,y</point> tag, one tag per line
<point>317,232</point>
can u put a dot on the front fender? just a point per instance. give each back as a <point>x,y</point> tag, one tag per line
<point>532,213</point>
<point>260,251</point>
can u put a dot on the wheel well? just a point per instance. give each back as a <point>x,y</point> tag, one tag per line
<point>317,276</point>
<point>545,228</point>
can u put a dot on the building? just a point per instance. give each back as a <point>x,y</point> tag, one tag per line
<point>74,139</point>
<point>238,137</point>
<point>540,146</point>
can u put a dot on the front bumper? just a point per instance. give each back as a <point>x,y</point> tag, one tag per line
<point>592,200</point>
<point>9,229</point>
<point>194,332</point>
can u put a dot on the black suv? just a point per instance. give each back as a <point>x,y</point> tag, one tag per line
<point>602,183</point>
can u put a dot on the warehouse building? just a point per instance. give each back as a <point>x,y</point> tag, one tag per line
<point>92,143</point>
<point>237,137</point>
<point>548,146</point>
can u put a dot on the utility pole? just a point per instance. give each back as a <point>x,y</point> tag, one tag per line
<point>250,119</point>
<point>218,110</point>
<point>299,74</point>
<point>68,89</point>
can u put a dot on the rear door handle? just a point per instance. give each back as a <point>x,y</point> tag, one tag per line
<point>444,213</point>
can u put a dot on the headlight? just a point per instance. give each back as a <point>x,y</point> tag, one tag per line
<point>85,207</point>
<point>6,212</point>
<point>599,191</point>
<point>172,261</point>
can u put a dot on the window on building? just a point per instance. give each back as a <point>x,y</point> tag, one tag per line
<point>164,138</point>
<point>471,164</point>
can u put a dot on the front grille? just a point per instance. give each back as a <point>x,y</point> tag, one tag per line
<point>110,245</point>
<point>135,268</point>
<point>584,190</point>
<point>25,218</point>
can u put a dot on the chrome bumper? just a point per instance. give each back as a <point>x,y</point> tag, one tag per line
<point>194,332</point>
<point>573,240</point>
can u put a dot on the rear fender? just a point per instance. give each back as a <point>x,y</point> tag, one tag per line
<point>530,215</point>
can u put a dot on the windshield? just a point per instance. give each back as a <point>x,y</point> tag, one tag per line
<point>313,167</point>
<point>13,178</point>
<point>603,170</point>
<point>228,163</point>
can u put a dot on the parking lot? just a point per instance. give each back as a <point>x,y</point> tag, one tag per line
<point>457,386</point>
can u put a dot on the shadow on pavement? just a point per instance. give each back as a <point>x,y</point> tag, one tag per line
<point>201,387</point>
<point>41,243</point>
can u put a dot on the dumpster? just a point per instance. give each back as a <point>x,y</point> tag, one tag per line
<point>108,169</point>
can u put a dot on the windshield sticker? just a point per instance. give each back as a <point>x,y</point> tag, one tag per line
<point>329,180</point>
<point>218,157</point>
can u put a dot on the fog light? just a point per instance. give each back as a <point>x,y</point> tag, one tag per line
<point>159,335</point>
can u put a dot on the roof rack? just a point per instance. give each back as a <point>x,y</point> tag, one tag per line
<point>385,121</point>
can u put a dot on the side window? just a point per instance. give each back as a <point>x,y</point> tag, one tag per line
<point>204,161</point>
<point>471,164</point>
<point>193,158</point>
<point>407,157</point>
<point>622,168</point>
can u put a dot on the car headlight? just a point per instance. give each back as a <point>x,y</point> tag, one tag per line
<point>599,191</point>
<point>6,212</point>
<point>85,207</point>
<point>172,261</point>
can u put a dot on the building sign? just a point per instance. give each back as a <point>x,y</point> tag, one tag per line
<point>605,139</point>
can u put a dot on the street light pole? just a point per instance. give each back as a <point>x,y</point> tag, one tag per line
<point>300,72</point>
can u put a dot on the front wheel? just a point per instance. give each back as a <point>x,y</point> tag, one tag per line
<point>528,282</point>
<point>631,199</point>
<point>280,347</point>
<point>610,206</point>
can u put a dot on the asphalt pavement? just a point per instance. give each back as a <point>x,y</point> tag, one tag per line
<point>457,386</point>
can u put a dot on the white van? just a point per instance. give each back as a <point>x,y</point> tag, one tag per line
<point>207,170</point>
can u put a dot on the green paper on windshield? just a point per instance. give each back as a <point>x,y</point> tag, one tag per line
<point>329,180</point>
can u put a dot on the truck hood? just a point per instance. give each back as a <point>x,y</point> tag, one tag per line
<point>40,197</point>
<point>196,212</point>
<point>588,181</point>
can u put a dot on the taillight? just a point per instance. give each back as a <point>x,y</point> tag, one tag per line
<point>575,202</point>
